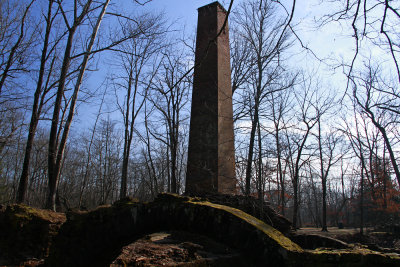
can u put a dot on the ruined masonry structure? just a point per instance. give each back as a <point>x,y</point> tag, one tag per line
<point>211,155</point>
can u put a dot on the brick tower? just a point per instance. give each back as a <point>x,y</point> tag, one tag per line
<point>211,155</point>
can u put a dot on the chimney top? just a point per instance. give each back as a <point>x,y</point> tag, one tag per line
<point>216,3</point>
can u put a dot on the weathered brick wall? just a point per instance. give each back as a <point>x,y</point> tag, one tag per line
<point>211,161</point>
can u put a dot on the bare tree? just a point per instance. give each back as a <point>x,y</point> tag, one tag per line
<point>170,98</point>
<point>298,135</point>
<point>327,145</point>
<point>86,172</point>
<point>57,145</point>
<point>39,99</point>
<point>136,61</point>
<point>240,58</point>
<point>266,43</point>
<point>17,45</point>
<point>357,146</point>
<point>11,139</point>
<point>107,157</point>
<point>279,104</point>
<point>13,50</point>
<point>372,23</point>
<point>370,95</point>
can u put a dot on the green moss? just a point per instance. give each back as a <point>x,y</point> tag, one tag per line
<point>274,234</point>
<point>19,215</point>
<point>29,231</point>
<point>125,201</point>
<point>394,256</point>
<point>354,257</point>
<point>359,251</point>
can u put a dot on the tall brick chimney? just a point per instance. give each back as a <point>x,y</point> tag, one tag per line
<point>211,155</point>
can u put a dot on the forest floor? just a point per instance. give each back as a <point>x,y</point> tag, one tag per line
<point>177,248</point>
<point>333,232</point>
<point>371,238</point>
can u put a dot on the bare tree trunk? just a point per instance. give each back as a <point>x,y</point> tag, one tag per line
<point>127,135</point>
<point>124,175</point>
<point>388,146</point>
<point>266,41</point>
<point>362,202</point>
<point>36,111</point>
<point>168,170</point>
<point>384,179</point>
<point>295,203</point>
<point>150,163</point>
<point>280,171</point>
<point>135,66</point>
<point>174,149</point>
<point>297,177</point>
<point>250,158</point>
<point>55,156</point>
<point>53,172</point>
<point>261,183</point>
<point>367,109</point>
<point>170,98</point>
<point>323,178</point>
<point>89,155</point>
<point>363,169</point>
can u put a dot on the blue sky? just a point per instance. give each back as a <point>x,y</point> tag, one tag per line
<point>183,10</point>
<point>331,41</point>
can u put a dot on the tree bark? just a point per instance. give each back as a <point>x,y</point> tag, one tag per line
<point>250,155</point>
<point>280,171</point>
<point>36,111</point>
<point>297,176</point>
<point>55,156</point>
<point>53,172</point>
<point>323,179</point>
<point>388,146</point>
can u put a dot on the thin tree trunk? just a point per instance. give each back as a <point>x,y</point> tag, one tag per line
<point>389,148</point>
<point>385,138</point>
<point>323,178</point>
<point>124,175</point>
<point>280,171</point>
<point>173,162</point>
<point>295,203</point>
<point>384,180</point>
<point>52,156</point>
<point>363,168</point>
<point>250,154</point>
<point>88,159</point>
<point>36,110</point>
<point>127,137</point>
<point>135,70</point>
<point>296,178</point>
<point>151,168</point>
<point>55,156</point>
<point>168,170</point>
<point>362,202</point>
<point>260,175</point>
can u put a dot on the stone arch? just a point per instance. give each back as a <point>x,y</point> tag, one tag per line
<point>95,238</point>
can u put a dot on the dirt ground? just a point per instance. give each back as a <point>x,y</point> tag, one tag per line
<point>370,238</point>
<point>177,248</point>
<point>332,231</point>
